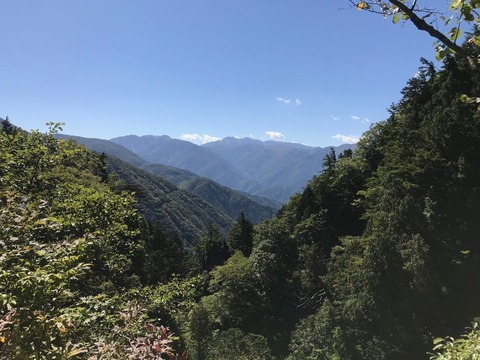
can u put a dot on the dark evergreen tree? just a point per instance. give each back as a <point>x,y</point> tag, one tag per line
<point>212,250</point>
<point>162,255</point>
<point>240,237</point>
<point>329,161</point>
<point>348,153</point>
<point>7,127</point>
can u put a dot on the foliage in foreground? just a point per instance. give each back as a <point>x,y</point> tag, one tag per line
<point>70,245</point>
<point>465,348</point>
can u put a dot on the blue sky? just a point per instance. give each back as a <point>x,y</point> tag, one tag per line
<point>295,70</point>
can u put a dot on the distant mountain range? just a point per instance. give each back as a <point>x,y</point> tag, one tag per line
<point>271,169</point>
<point>158,184</point>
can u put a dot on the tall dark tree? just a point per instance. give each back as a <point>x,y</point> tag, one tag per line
<point>212,249</point>
<point>329,161</point>
<point>240,237</point>
<point>162,255</point>
<point>8,127</point>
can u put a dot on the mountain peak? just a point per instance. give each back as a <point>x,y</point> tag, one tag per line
<point>235,140</point>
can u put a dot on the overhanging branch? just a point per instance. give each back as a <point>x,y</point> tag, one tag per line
<point>424,26</point>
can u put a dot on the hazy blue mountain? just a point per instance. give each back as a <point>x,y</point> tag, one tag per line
<point>185,155</point>
<point>277,166</point>
<point>271,169</point>
<point>223,198</point>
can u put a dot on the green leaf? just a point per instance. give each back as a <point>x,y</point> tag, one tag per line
<point>75,352</point>
<point>467,13</point>
<point>455,4</point>
<point>440,54</point>
<point>455,33</point>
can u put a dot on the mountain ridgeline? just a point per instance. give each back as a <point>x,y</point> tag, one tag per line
<point>271,169</point>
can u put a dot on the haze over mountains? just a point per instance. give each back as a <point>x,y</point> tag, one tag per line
<point>271,169</point>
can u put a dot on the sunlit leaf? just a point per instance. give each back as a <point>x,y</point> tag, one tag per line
<point>455,4</point>
<point>455,33</point>
<point>362,5</point>
<point>75,352</point>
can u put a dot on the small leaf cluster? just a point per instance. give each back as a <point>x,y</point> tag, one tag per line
<point>465,348</point>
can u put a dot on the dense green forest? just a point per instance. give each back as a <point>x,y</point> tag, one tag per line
<point>378,257</point>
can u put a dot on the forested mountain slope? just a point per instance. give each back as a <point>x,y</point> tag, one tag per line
<point>220,197</point>
<point>255,208</point>
<point>179,212</point>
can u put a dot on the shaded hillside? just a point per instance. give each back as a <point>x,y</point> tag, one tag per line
<point>177,211</point>
<point>202,186</point>
<point>222,198</point>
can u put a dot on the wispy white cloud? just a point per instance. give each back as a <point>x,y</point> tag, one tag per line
<point>209,138</point>
<point>285,101</point>
<point>361,119</point>
<point>191,137</point>
<point>296,102</point>
<point>275,135</point>
<point>348,139</point>
<point>197,138</point>
<point>336,118</point>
